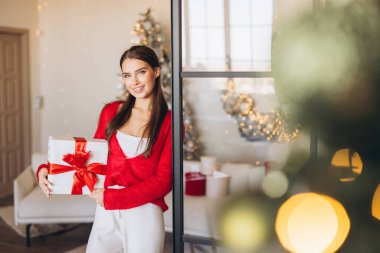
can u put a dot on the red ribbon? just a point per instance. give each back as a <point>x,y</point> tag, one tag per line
<point>84,175</point>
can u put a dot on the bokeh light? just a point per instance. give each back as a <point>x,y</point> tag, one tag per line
<point>326,69</point>
<point>243,227</point>
<point>312,56</point>
<point>310,222</point>
<point>346,164</point>
<point>376,203</point>
<point>275,184</point>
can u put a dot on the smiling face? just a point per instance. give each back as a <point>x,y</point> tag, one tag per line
<point>139,77</point>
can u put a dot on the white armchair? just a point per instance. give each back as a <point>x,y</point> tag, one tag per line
<point>31,206</point>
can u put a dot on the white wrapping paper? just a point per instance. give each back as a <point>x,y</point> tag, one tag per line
<point>208,165</point>
<point>58,147</point>
<point>217,185</point>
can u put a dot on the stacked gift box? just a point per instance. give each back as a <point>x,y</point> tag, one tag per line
<point>206,180</point>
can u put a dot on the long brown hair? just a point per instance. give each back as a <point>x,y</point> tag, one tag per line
<point>159,109</point>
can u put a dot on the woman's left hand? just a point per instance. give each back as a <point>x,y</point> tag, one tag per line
<point>97,195</point>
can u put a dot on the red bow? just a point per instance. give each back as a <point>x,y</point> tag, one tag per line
<point>84,175</point>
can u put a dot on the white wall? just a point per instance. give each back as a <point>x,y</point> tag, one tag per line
<point>22,14</point>
<point>81,44</point>
<point>74,66</point>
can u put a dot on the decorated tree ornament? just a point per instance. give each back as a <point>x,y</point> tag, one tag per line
<point>191,145</point>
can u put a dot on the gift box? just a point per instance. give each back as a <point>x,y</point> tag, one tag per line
<point>217,185</point>
<point>208,165</point>
<point>195,184</point>
<point>76,165</point>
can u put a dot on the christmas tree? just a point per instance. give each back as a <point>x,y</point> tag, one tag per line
<point>191,146</point>
<point>149,33</point>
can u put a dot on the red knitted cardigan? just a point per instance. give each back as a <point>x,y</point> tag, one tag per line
<point>146,180</point>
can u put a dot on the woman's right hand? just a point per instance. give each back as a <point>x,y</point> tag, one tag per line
<point>43,182</point>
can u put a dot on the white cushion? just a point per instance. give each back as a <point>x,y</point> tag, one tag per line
<point>255,178</point>
<point>37,205</point>
<point>239,173</point>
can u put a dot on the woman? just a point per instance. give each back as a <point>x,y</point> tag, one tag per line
<point>129,214</point>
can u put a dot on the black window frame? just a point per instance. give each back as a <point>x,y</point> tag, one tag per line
<point>177,138</point>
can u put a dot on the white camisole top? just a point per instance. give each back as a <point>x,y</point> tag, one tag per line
<point>130,144</point>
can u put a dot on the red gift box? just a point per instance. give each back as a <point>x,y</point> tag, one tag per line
<point>195,184</point>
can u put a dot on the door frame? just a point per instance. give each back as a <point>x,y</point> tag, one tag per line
<point>25,91</point>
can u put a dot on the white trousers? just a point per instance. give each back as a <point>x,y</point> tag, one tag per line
<point>137,230</point>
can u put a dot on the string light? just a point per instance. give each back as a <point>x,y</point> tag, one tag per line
<point>254,125</point>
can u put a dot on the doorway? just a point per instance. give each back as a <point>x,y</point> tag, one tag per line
<point>15,137</point>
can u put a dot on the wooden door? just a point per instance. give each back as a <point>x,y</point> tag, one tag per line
<point>12,111</point>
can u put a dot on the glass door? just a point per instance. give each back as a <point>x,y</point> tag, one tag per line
<point>242,151</point>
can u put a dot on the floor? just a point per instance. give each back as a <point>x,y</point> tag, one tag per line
<point>11,242</point>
